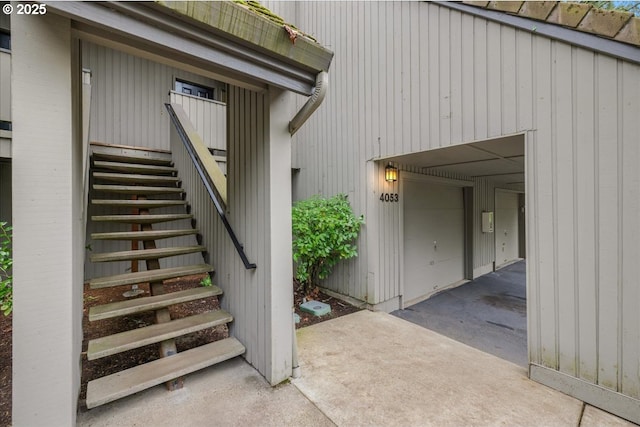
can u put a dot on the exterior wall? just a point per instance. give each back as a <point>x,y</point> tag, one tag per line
<point>259,201</point>
<point>128,97</point>
<point>258,209</point>
<point>5,192</point>
<point>410,77</point>
<point>46,167</point>
<point>209,118</point>
<point>5,85</point>
<point>5,102</point>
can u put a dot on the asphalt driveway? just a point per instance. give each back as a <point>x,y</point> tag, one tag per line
<point>488,313</point>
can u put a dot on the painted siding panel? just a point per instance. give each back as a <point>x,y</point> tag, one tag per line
<point>247,293</point>
<point>208,117</point>
<point>607,209</point>
<point>508,78</point>
<point>5,192</point>
<point>5,86</point>
<point>586,214</point>
<point>564,213</point>
<point>544,204</point>
<point>494,79</point>
<point>629,111</point>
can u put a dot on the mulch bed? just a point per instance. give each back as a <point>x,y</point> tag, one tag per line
<point>108,365</point>
<point>338,307</point>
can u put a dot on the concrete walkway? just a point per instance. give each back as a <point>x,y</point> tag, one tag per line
<point>366,368</point>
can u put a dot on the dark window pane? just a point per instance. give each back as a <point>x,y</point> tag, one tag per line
<point>5,41</point>
<point>194,89</point>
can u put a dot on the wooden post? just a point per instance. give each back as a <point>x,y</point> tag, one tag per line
<point>168,347</point>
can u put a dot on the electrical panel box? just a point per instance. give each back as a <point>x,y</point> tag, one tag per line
<point>487,222</point>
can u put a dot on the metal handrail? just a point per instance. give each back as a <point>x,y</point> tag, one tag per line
<point>209,185</point>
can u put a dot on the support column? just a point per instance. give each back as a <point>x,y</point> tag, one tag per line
<point>279,359</point>
<point>46,329</point>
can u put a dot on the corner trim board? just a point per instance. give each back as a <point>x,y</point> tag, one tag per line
<point>593,394</point>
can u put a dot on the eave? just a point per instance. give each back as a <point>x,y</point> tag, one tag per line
<point>220,42</point>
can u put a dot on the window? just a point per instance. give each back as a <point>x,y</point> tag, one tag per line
<point>194,89</point>
<point>5,40</point>
<point>5,125</point>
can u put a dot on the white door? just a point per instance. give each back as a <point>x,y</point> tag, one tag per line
<point>433,238</point>
<point>506,227</point>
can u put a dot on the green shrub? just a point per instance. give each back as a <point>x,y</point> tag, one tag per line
<point>6,280</point>
<point>324,232</point>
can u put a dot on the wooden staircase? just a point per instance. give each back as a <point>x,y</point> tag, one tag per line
<point>148,181</point>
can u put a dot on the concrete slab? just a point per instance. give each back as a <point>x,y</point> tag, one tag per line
<point>488,313</point>
<point>376,369</point>
<point>229,394</point>
<point>594,417</point>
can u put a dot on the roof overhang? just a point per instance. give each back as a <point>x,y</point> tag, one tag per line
<point>221,40</point>
<point>578,38</point>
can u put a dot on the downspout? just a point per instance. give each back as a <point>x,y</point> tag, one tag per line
<point>322,81</point>
<point>312,104</point>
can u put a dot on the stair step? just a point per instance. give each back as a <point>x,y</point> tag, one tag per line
<point>129,156</point>
<point>139,305</point>
<point>143,235</point>
<point>148,276</point>
<point>145,254</point>
<point>141,219</point>
<point>133,380</point>
<point>130,178</point>
<point>136,338</point>
<point>134,168</point>
<point>138,204</point>
<point>137,189</point>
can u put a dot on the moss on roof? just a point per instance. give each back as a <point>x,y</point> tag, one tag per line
<point>580,16</point>
<point>261,10</point>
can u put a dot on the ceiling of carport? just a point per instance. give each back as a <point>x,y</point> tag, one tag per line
<point>499,160</point>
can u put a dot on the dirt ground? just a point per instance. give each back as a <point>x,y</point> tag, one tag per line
<point>338,307</point>
<point>108,365</point>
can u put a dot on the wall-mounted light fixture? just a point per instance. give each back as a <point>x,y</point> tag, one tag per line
<point>390,173</point>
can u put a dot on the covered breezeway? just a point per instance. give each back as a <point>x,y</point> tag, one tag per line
<point>462,214</point>
<point>462,244</point>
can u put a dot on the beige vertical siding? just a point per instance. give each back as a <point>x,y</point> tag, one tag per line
<point>47,196</point>
<point>248,294</point>
<point>128,97</point>
<point>5,192</point>
<point>208,117</point>
<point>409,77</point>
<point>5,86</point>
